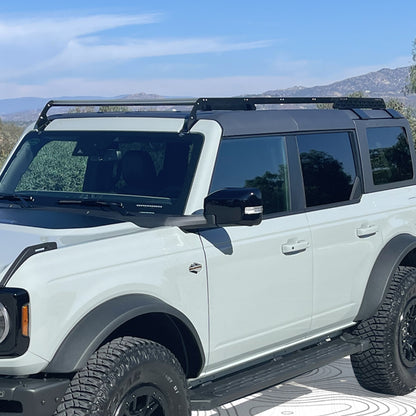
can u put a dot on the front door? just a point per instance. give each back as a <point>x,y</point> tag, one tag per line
<point>259,278</point>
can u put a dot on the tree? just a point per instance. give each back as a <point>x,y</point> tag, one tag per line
<point>101,109</point>
<point>411,86</point>
<point>112,108</point>
<point>9,134</point>
<point>408,112</point>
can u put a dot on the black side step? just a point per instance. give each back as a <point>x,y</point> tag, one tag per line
<point>275,371</point>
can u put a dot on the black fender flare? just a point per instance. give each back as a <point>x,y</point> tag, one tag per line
<point>94,328</point>
<point>382,273</point>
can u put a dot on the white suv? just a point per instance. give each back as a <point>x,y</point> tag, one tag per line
<point>155,262</point>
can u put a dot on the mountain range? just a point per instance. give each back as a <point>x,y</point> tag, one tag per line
<point>386,83</point>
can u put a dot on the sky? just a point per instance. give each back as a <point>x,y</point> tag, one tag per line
<point>196,48</point>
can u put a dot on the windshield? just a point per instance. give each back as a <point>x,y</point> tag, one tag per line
<point>145,172</point>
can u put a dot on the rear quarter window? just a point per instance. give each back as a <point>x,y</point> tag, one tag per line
<point>389,155</point>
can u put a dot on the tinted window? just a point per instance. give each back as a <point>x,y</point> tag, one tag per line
<point>55,169</point>
<point>328,167</point>
<point>255,162</point>
<point>389,154</point>
<point>146,171</point>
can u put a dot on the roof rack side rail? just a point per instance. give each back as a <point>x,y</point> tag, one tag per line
<point>249,103</point>
<point>43,120</point>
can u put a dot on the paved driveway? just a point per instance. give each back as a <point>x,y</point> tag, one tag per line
<point>330,390</point>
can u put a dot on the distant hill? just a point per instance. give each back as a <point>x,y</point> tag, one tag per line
<point>386,83</point>
<point>26,109</point>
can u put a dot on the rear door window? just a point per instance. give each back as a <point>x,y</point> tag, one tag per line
<point>328,167</point>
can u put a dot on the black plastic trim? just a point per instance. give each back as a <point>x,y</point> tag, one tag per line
<point>382,273</point>
<point>297,192</point>
<point>23,256</point>
<point>94,328</point>
<point>242,383</point>
<point>32,397</point>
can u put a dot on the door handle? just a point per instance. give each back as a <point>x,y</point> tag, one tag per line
<point>293,247</point>
<point>367,230</point>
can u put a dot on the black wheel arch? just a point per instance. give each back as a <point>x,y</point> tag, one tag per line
<point>108,320</point>
<point>400,250</point>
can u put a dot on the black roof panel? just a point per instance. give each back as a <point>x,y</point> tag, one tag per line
<point>236,123</point>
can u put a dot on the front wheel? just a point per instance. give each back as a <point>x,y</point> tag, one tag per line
<point>389,366</point>
<point>128,377</point>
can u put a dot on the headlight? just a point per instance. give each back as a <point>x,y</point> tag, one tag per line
<point>4,323</point>
<point>14,322</point>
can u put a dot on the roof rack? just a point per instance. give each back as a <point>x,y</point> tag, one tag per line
<point>43,119</point>
<point>211,104</point>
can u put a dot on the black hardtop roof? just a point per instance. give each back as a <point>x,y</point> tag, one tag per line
<point>236,115</point>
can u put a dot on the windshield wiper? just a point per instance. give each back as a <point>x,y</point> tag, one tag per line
<point>94,203</point>
<point>23,200</point>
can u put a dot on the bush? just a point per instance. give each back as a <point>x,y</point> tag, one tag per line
<point>9,135</point>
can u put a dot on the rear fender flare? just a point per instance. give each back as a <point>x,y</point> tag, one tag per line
<point>390,257</point>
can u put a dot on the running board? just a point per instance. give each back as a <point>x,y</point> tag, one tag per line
<point>235,386</point>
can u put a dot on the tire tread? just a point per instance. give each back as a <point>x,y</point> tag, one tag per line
<point>88,383</point>
<point>376,369</point>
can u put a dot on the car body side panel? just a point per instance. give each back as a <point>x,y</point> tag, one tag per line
<point>66,286</point>
<point>259,297</point>
<point>86,337</point>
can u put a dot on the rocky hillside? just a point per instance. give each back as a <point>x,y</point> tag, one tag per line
<point>386,83</point>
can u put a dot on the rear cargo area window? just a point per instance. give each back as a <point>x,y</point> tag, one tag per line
<point>389,155</point>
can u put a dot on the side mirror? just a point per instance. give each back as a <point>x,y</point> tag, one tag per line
<point>234,206</point>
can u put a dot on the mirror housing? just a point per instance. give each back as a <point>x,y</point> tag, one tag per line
<point>234,206</point>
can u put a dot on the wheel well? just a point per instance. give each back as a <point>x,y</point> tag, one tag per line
<point>168,331</point>
<point>409,259</point>
<point>399,251</point>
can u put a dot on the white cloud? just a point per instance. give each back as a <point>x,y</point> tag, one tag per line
<point>54,47</point>
<point>47,30</point>
<point>26,45</point>
<point>87,51</point>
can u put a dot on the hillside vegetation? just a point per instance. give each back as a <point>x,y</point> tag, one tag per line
<point>9,134</point>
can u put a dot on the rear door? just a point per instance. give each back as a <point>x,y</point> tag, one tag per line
<point>346,235</point>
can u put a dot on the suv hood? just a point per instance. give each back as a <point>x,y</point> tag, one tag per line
<point>20,228</point>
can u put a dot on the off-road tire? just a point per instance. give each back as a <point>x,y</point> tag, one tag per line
<point>126,377</point>
<point>389,366</point>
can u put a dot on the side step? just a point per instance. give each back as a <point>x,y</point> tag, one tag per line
<point>275,371</point>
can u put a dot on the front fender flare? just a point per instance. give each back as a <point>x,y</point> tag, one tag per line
<point>94,328</point>
<point>390,257</point>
